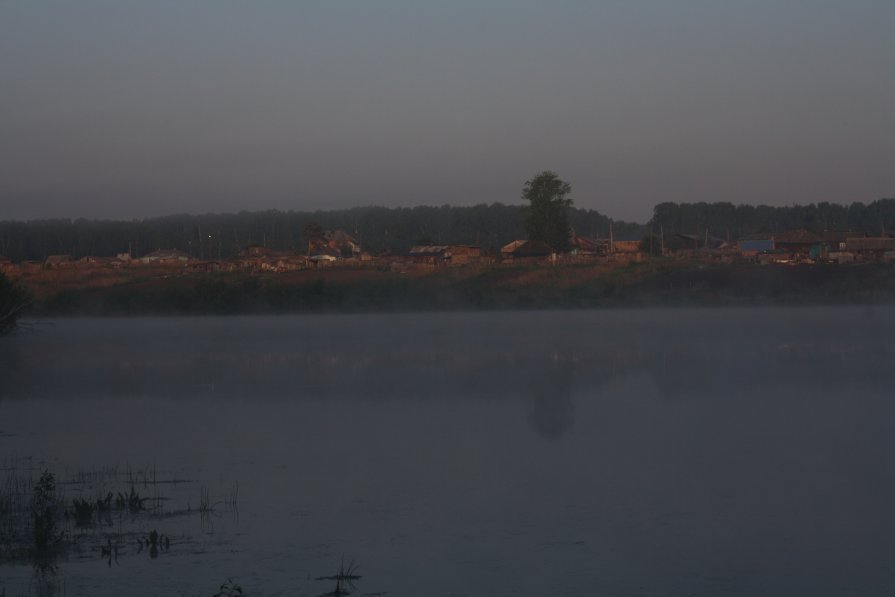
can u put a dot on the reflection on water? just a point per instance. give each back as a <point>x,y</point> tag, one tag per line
<point>552,413</point>
<point>617,452</point>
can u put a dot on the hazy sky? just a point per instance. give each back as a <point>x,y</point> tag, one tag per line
<point>132,109</point>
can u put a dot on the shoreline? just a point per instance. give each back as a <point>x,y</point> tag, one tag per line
<point>655,284</point>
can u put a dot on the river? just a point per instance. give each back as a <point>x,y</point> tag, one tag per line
<point>615,452</point>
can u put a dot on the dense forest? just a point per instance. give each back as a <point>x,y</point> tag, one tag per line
<point>725,220</point>
<point>214,236</point>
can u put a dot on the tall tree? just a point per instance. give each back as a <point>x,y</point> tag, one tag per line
<point>546,216</point>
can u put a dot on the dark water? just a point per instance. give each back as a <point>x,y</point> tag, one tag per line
<point>647,452</point>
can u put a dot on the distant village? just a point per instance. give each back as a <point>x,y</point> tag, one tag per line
<point>338,249</point>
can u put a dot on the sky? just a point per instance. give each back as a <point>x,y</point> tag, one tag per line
<point>127,109</point>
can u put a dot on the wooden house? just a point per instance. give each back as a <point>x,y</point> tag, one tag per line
<point>870,248</point>
<point>58,261</point>
<point>430,255</point>
<point>165,257</point>
<point>524,251</point>
<point>590,247</point>
<point>806,243</point>
<point>463,254</point>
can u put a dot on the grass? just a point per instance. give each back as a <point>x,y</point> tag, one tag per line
<point>658,282</point>
<point>131,501</point>
<point>229,589</point>
<point>45,506</point>
<point>40,527</point>
<point>155,543</point>
<point>345,579</point>
<point>205,505</point>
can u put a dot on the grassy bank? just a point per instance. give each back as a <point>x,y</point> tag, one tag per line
<point>531,287</point>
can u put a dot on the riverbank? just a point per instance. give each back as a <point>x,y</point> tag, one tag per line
<point>657,283</point>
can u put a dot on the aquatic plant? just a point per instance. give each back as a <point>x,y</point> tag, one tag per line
<point>39,524</point>
<point>231,502</point>
<point>44,509</point>
<point>130,501</point>
<point>345,577</point>
<point>109,551</point>
<point>155,542</point>
<point>229,589</point>
<point>82,510</point>
<point>205,505</point>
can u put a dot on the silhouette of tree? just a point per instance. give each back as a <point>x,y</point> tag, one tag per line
<point>546,216</point>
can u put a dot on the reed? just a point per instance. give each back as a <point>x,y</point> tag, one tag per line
<point>230,589</point>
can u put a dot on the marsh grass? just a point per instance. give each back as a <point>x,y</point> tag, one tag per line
<point>82,510</point>
<point>39,524</point>
<point>230,503</point>
<point>155,543</point>
<point>345,579</point>
<point>228,589</point>
<point>131,501</point>
<point>45,510</point>
<point>205,505</point>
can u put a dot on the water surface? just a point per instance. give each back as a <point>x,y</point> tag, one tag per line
<point>674,452</point>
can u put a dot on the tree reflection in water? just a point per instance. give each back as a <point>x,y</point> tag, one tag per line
<point>552,411</point>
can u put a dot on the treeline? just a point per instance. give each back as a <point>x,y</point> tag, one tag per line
<point>219,236</point>
<point>724,220</point>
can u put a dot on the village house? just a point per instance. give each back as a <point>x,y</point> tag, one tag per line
<point>286,263</point>
<point>807,244</point>
<point>342,242</point>
<point>752,247</point>
<point>58,261</point>
<point>256,258</point>
<point>92,261</point>
<point>463,254</point>
<point>526,251</point>
<point>291,263</point>
<point>334,243</point>
<point>321,254</point>
<point>435,256</point>
<point>682,243</point>
<point>203,266</point>
<point>165,257</point>
<point>428,255</point>
<point>590,247</point>
<point>878,248</point>
<point>626,246</point>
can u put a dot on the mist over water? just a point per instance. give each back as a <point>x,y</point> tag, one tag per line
<point>728,451</point>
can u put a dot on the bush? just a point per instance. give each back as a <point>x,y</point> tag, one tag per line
<point>13,300</point>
